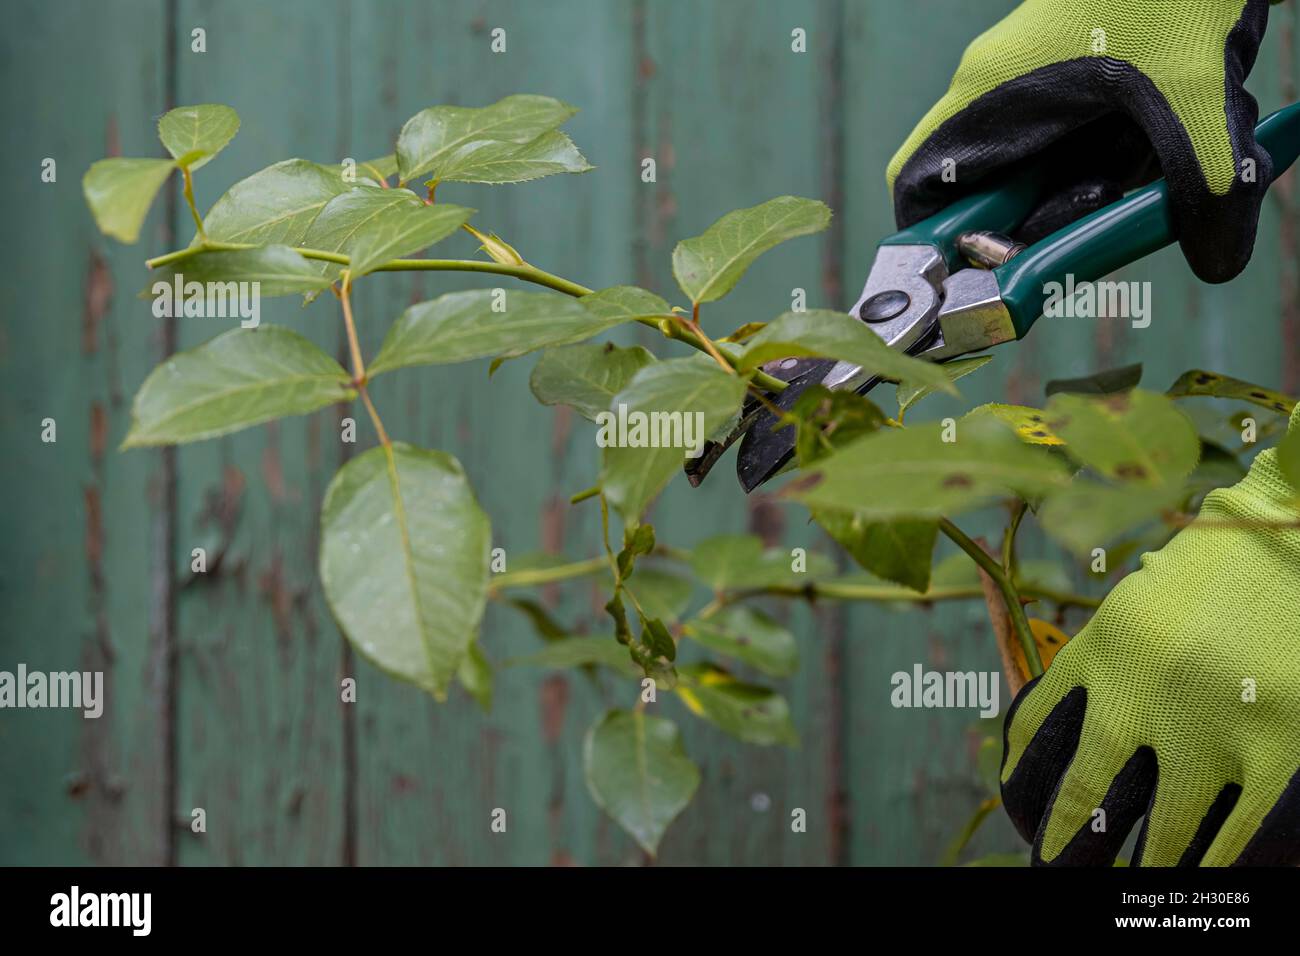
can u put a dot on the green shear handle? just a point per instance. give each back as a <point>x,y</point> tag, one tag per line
<point>1088,249</point>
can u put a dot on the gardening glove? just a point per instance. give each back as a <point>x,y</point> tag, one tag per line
<point>1109,94</point>
<point>1179,702</point>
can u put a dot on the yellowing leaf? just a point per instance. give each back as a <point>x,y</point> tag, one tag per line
<point>1200,382</point>
<point>1049,639</point>
<point>1029,424</point>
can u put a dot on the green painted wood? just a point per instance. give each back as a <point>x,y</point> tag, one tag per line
<point>260,731</point>
<point>761,135</point>
<point>79,81</point>
<point>285,772</point>
<point>429,777</point>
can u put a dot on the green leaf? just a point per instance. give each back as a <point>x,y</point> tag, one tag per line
<point>756,715</point>
<point>661,594</point>
<point>1133,436</point>
<point>702,396</point>
<point>638,773</point>
<point>736,562</point>
<point>120,192</point>
<point>1200,382</point>
<point>837,335</point>
<point>445,140</point>
<point>348,215</point>
<point>909,393</point>
<point>898,551</point>
<point>460,326</point>
<point>194,134</point>
<point>748,635</point>
<point>546,155</point>
<point>1089,514</point>
<point>278,270</point>
<point>826,419</point>
<point>400,230</point>
<point>708,266</point>
<point>626,303</point>
<point>581,652</point>
<point>404,562</point>
<point>656,639</point>
<point>475,675</point>
<point>913,472</point>
<point>1107,382</point>
<point>383,167</point>
<point>547,628</point>
<point>274,205</point>
<point>637,540</point>
<point>586,377</point>
<point>241,378</point>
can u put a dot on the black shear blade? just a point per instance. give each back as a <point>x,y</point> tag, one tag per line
<point>764,451</point>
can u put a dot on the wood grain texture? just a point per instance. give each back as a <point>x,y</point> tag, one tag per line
<point>285,773</point>
<point>75,585</point>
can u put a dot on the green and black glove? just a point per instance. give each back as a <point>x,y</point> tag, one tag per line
<point>1111,94</point>
<point>1179,702</point>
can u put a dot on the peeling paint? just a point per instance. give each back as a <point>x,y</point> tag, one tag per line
<point>97,295</point>
<point>554,699</point>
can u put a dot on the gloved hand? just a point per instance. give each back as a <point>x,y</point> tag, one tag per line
<point>1180,701</point>
<point>1116,93</point>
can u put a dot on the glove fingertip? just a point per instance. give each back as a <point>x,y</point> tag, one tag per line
<point>1027,792</point>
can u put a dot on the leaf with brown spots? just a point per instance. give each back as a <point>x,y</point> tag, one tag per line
<point>1030,424</point>
<point>914,473</point>
<point>1200,382</point>
<point>1140,437</point>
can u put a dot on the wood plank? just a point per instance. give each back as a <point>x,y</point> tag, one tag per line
<point>76,576</point>
<point>429,776</point>
<point>733,117</point>
<point>260,723</point>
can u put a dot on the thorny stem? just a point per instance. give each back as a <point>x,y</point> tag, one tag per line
<point>584,494</point>
<point>852,591</point>
<point>526,273</point>
<point>1009,537</point>
<point>1010,595</point>
<point>354,347</point>
<point>826,590</point>
<point>693,326</point>
<point>359,367</point>
<point>374,417</point>
<point>535,576</point>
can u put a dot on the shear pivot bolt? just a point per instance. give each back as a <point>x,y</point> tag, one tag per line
<point>884,306</point>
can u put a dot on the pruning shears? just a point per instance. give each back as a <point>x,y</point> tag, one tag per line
<point>955,284</point>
